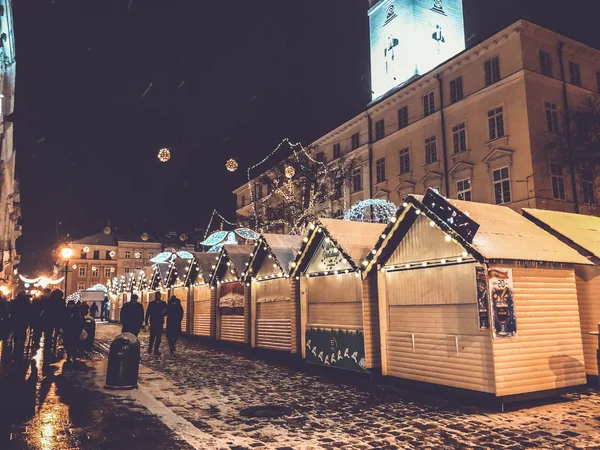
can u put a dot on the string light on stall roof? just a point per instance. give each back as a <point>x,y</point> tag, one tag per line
<point>372,210</point>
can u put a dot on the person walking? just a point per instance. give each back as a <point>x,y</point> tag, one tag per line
<point>174,318</point>
<point>157,310</point>
<point>84,308</point>
<point>37,312</point>
<point>104,309</point>
<point>52,319</point>
<point>132,316</point>
<point>94,310</point>
<point>72,325</point>
<point>20,318</point>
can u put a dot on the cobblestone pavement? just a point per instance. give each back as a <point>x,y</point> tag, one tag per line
<point>210,385</point>
<point>50,405</point>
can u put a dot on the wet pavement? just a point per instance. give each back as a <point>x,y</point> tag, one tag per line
<point>224,397</point>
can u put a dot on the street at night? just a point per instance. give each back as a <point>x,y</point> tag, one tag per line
<point>299,224</point>
<point>202,398</point>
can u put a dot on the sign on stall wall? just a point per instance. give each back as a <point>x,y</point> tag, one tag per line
<point>503,304</point>
<point>342,349</point>
<point>483,303</point>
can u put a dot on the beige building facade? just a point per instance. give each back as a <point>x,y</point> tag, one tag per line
<point>101,257</point>
<point>474,128</point>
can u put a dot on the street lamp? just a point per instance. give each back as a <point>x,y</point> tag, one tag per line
<point>66,254</point>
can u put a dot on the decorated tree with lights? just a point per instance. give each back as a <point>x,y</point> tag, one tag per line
<point>298,191</point>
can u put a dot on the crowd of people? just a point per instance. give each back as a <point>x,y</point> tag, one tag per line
<point>25,320</point>
<point>132,319</point>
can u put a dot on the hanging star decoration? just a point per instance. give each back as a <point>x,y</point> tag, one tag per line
<point>231,165</point>
<point>164,154</point>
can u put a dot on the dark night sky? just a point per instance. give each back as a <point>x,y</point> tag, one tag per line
<point>253,72</point>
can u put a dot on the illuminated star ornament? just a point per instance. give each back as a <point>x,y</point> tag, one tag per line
<point>231,165</point>
<point>217,240</point>
<point>290,172</point>
<point>164,154</point>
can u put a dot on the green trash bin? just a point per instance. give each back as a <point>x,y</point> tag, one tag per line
<point>123,362</point>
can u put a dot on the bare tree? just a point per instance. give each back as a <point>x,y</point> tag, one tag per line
<point>298,191</point>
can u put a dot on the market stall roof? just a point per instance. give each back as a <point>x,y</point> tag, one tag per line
<point>354,239</point>
<point>578,230</point>
<point>490,232</point>
<point>183,271</point>
<point>160,276</point>
<point>205,261</point>
<point>237,255</point>
<point>283,247</point>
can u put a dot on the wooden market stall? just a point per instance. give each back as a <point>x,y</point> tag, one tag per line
<point>203,297</point>
<point>275,306</point>
<point>233,295</point>
<point>338,309</point>
<point>161,280</point>
<point>475,296</point>
<point>582,233</point>
<point>182,271</point>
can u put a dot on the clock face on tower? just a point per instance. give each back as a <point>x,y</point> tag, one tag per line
<point>411,37</point>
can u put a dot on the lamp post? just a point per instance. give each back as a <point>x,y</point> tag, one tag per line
<point>66,254</point>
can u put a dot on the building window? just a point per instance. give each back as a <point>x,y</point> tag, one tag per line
<point>575,73</point>
<point>339,214</point>
<point>404,161</point>
<point>403,117</point>
<point>380,170</point>
<point>242,201</point>
<point>459,136</point>
<point>379,129</point>
<point>338,191</point>
<point>83,255</point>
<point>96,254</point>
<point>107,272</point>
<point>95,272</point>
<point>463,189</point>
<point>496,123</point>
<point>492,71</point>
<point>337,151</point>
<point>107,254</point>
<point>589,190</point>
<point>545,63</point>
<point>82,271</point>
<point>321,157</point>
<point>551,117</point>
<point>501,186</point>
<point>355,141</point>
<point>127,254</point>
<point>456,90</point>
<point>126,269</point>
<point>258,191</point>
<point>357,179</point>
<point>150,255</point>
<point>429,104</point>
<point>558,182</point>
<point>431,150</point>
<point>80,286</point>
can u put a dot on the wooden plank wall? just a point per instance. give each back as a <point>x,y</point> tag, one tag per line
<point>588,295</point>
<point>247,310</point>
<point>370,314</point>
<point>295,342</point>
<point>232,328</point>
<point>547,353</point>
<point>335,301</point>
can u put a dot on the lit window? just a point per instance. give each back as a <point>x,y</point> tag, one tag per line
<point>429,104</point>
<point>558,182</point>
<point>431,150</point>
<point>355,141</point>
<point>404,161</point>
<point>545,63</point>
<point>551,117</point>
<point>492,71</point>
<point>107,272</point>
<point>589,189</point>
<point>459,136</point>
<point>379,129</point>
<point>80,286</point>
<point>501,186</point>
<point>127,254</point>
<point>357,179</point>
<point>380,170</point>
<point>403,117</point>
<point>575,73</point>
<point>456,90</point>
<point>463,189</point>
<point>126,269</point>
<point>496,123</point>
<point>337,151</point>
<point>82,271</point>
<point>95,272</point>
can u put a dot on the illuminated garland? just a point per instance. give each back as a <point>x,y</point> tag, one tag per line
<point>371,210</point>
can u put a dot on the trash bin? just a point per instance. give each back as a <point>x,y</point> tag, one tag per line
<point>90,328</point>
<point>123,362</point>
